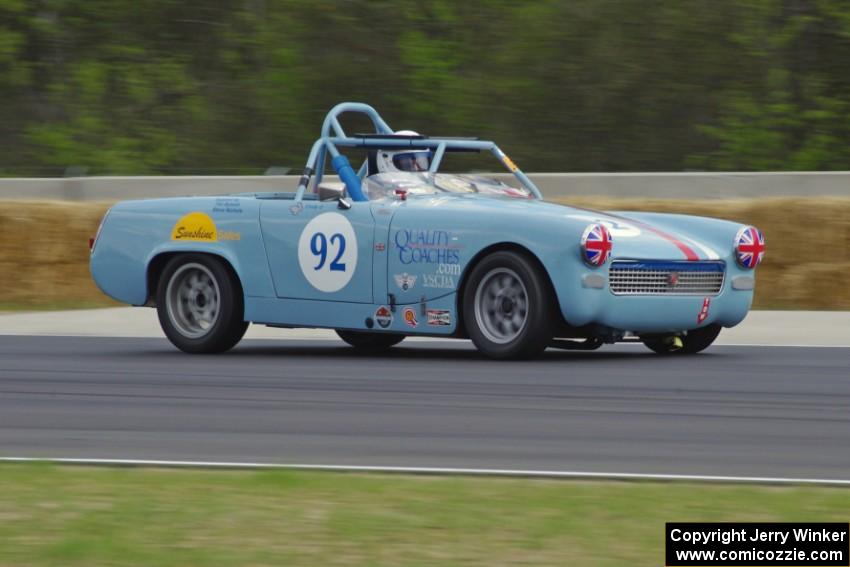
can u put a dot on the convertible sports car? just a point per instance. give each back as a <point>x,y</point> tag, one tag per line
<point>405,250</point>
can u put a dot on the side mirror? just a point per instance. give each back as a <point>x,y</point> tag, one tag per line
<point>343,203</point>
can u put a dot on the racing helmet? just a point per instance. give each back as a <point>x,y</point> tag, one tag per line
<point>403,160</point>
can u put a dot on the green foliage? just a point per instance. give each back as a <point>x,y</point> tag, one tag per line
<point>165,86</point>
<point>786,106</point>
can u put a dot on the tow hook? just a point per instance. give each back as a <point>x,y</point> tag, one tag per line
<point>674,342</point>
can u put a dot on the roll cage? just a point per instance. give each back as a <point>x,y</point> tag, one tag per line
<point>334,137</point>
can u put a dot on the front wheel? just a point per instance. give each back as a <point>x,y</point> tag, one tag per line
<point>693,342</point>
<point>200,304</point>
<point>508,306</point>
<point>370,342</point>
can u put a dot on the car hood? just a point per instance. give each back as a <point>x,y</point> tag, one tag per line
<point>639,235</point>
<point>636,235</point>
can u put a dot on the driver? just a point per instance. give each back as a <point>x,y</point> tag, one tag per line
<point>403,160</point>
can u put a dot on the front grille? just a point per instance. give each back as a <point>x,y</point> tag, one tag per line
<point>666,278</point>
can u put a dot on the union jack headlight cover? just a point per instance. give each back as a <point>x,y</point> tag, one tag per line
<point>596,244</point>
<point>749,247</point>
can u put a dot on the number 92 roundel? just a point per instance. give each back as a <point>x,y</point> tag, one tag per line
<point>327,252</point>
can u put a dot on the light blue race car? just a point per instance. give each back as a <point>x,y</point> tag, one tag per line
<point>399,249</point>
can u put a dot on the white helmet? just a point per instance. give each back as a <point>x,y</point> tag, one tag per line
<point>403,160</point>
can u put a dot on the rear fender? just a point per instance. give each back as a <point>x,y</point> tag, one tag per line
<point>161,256</point>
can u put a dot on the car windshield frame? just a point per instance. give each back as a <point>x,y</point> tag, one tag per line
<point>388,185</point>
<point>334,137</point>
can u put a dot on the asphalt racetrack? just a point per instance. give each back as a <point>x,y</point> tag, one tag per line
<point>734,410</point>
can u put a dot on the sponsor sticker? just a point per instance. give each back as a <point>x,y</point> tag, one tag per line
<point>327,252</point>
<point>448,269</point>
<point>439,317</point>
<point>427,247</point>
<point>380,247</point>
<point>383,316</point>
<point>405,281</point>
<point>703,312</point>
<point>227,205</point>
<point>410,317</point>
<point>510,163</point>
<point>438,281</point>
<point>195,227</point>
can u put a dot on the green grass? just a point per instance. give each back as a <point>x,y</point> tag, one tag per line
<point>88,516</point>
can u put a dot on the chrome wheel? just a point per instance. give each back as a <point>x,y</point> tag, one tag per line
<point>501,305</point>
<point>193,300</point>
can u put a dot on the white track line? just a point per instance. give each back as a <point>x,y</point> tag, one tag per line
<point>429,471</point>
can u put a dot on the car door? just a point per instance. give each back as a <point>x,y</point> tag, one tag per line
<point>426,252</point>
<point>318,251</point>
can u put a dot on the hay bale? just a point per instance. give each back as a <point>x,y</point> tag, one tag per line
<point>44,253</point>
<point>44,247</point>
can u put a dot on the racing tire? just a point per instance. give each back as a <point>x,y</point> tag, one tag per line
<point>200,304</point>
<point>508,306</point>
<point>370,342</point>
<point>695,341</point>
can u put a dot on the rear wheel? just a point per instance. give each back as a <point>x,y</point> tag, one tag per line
<point>200,304</point>
<point>508,306</point>
<point>695,341</point>
<point>370,342</point>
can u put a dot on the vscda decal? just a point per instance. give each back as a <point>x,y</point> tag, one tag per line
<point>426,247</point>
<point>327,252</point>
<point>444,278</point>
<point>438,281</point>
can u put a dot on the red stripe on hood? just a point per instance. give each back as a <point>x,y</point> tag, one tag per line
<point>689,253</point>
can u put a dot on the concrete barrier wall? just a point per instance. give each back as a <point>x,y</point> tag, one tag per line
<point>553,185</point>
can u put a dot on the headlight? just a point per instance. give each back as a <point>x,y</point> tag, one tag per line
<point>596,243</point>
<point>749,247</point>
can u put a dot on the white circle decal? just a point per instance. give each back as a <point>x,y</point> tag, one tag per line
<point>621,229</point>
<point>327,252</point>
<point>618,229</point>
